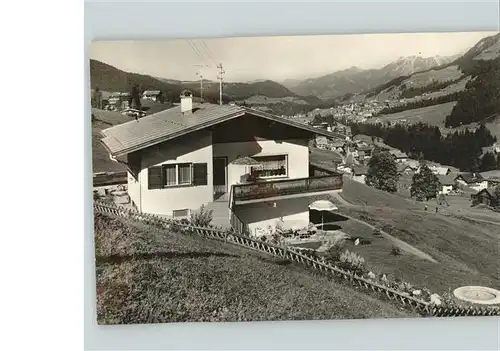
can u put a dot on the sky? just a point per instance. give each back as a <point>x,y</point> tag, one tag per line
<point>275,58</point>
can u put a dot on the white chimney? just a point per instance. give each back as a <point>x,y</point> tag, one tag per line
<point>186,102</point>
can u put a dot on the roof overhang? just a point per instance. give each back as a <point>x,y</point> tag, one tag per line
<point>241,112</point>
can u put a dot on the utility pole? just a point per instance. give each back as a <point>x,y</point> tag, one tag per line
<point>200,74</point>
<point>201,84</point>
<point>220,78</point>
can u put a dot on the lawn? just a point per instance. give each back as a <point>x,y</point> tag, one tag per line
<point>432,115</point>
<point>146,276</point>
<point>467,251</point>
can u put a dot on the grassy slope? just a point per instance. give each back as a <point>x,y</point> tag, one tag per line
<point>100,157</point>
<point>153,277</point>
<point>467,251</point>
<point>433,115</point>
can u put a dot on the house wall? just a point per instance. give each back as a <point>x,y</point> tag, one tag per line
<point>479,186</point>
<point>446,189</point>
<point>133,189</point>
<point>195,148</point>
<point>259,216</point>
<point>296,150</point>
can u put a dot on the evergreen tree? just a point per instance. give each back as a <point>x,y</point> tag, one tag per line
<point>424,185</point>
<point>135,97</point>
<point>488,162</point>
<point>382,172</point>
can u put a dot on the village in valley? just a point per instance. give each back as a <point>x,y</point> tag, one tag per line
<point>314,199</point>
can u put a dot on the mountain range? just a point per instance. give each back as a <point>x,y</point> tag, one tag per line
<point>355,80</point>
<point>109,78</point>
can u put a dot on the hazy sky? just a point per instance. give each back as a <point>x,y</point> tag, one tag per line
<point>275,58</point>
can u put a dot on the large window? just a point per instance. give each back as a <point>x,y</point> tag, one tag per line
<point>270,166</point>
<point>181,174</point>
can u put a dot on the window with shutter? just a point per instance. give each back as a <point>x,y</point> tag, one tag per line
<point>155,178</point>
<point>184,173</point>
<point>169,175</point>
<point>200,174</point>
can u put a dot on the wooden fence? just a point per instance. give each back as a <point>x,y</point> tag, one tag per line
<point>422,307</point>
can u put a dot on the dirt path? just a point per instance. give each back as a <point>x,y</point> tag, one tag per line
<point>400,243</point>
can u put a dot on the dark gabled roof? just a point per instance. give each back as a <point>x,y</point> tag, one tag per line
<point>470,178</point>
<point>489,191</point>
<point>362,137</point>
<point>446,180</point>
<point>398,154</point>
<point>402,167</point>
<point>359,170</point>
<point>171,123</point>
<point>493,179</point>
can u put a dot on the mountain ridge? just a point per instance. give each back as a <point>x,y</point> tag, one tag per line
<point>355,80</point>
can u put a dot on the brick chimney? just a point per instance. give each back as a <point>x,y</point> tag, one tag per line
<point>186,102</point>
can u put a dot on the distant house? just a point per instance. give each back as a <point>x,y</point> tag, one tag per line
<point>321,142</point>
<point>486,196</point>
<point>493,181</point>
<point>446,184</point>
<point>363,138</point>
<point>154,95</point>
<point>399,156</point>
<point>365,148</point>
<point>440,170</point>
<point>337,146</point>
<point>405,169</point>
<point>472,180</point>
<point>359,173</point>
<point>119,100</point>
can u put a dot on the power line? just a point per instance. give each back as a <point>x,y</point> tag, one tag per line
<point>196,50</point>
<point>208,51</point>
<point>220,77</point>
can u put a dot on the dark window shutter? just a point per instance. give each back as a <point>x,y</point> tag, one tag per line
<point>154,178</point>
<point>200,174</point>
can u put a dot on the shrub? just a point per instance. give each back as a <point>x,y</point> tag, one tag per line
<point>337,245</point>
<point>353,261</point>
<point>203,217</point>
<point>395,251</point>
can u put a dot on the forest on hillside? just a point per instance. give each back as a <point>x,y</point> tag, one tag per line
<point>461,149</point>
<point>481,99</point>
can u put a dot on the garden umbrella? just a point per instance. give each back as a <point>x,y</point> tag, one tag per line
<point>322,206</point>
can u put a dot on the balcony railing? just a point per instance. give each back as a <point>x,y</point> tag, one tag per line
<point>276,188</point>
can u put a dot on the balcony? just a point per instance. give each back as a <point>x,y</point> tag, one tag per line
<point>279,189</point>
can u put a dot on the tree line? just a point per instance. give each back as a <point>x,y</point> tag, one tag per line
<point>481,99</point>
<point>429,88</point>
<point>461,149</point>
<point>420,103</point>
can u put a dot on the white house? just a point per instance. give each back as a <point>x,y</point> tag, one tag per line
<point>446,184</point>
<point>472,180</point>
<point>399,156</point>
<point>250,167</point>
<point>152,95</point>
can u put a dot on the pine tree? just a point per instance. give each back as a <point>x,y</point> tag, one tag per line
<point>424,185</point>
<point>488,162</point>
<point>382,172</point>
